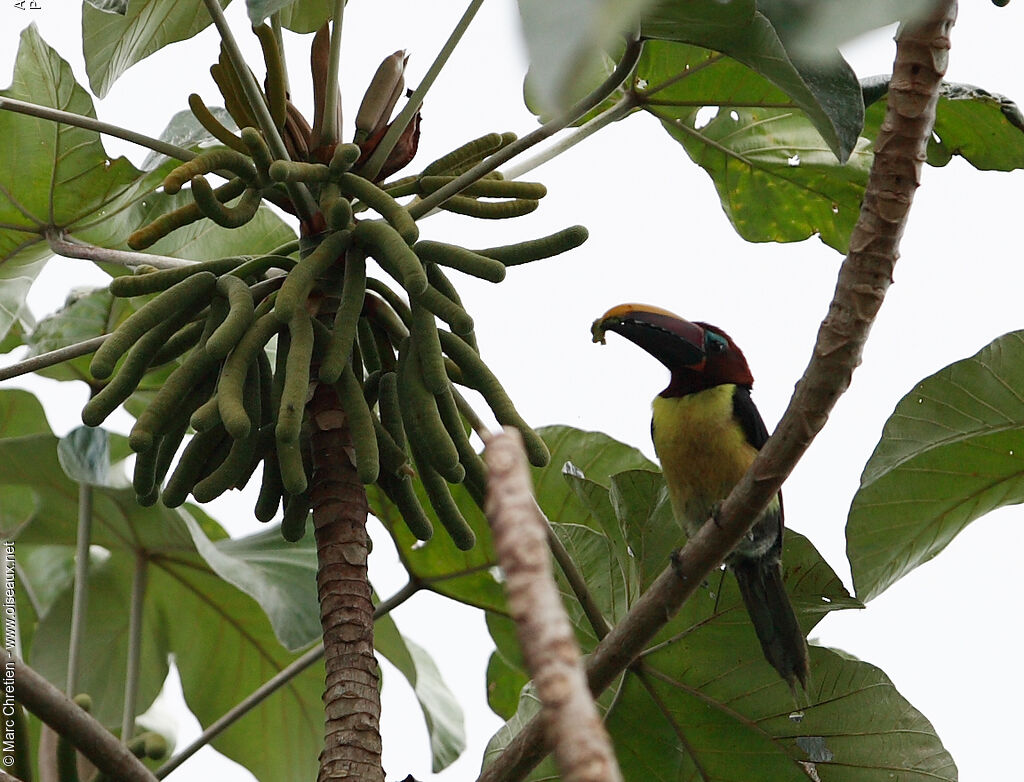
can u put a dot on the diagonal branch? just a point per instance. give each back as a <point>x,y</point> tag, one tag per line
<point>87,735</point>
<point>921,58</point>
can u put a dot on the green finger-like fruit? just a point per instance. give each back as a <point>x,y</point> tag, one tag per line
<point>179,343</point>
<point>400,490</point>
<point>360,421</point>
<point>239,317</point>
<point>487,188</point>
<point>207,162</point>
<point>428,349</point>
<point>296,379</point>
<point>489,210</point>
<point>447,310</point>
<point>478,375</point>
<point>471,152</point>
<point>293,472</point>
<point>444,505</point>
<point>188,296</point>
<point>346,319</point>
<point>184,215</point>
<point>384,243</point>
<point>220,213</point>
<point>276,82</point>
<point>230,390</point>
<point>269,498</point>
<point>212,124</point>
<point>259,151</point>
<point>300,280</point>
<point>344,157</point>
<point>460,259</point>
<point>127,379</point>
<point>420,416</point>
<point>366,191</point>
<point>296,516</point>
<point>536,249</point>
<point>156,281</point>
<point>292,171</point>
<point>201,449</point>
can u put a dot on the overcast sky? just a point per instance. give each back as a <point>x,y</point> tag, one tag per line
<point>948,633</point>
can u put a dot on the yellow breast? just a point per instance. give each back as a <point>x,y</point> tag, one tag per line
<point>703,451</point>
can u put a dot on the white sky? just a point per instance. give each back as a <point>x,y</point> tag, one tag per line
<point>947,634</point>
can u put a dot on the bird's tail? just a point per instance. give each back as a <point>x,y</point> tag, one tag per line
<point>764,594</point>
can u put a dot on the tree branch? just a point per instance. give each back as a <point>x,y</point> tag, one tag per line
<point>629,60</point>
<point>921,57</point>
<point>91,123</point>
<point>412,105</point>
<point>581,745</point>
<point>62,245</point>
<point>86,734</point>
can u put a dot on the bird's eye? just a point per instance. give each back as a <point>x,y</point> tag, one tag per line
<point>716,344</point>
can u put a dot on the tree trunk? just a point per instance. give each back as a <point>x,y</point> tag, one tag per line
<point>352,746</point>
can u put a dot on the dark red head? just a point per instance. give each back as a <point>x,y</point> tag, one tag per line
<point>698,355</point>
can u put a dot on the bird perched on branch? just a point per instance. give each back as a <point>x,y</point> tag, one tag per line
<point>707,432</point>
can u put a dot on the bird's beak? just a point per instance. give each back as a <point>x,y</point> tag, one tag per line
<point>674,341</point>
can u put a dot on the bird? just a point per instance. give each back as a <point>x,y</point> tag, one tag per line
<point>707,431</point>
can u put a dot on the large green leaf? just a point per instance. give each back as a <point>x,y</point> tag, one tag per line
<point>704,689</point>
<point>52,176</point>
<point>775,176</point>
<point>568,43</point>
<point>443,715</point>
<point>984,128</point>
<point>824,87</point>
<point>950,452</point>
<point>700,727</point>
<point>105,639</point>
<point>112,43</point>
<point>223,643</point>
<point>281,577</point>
<point>84,454</point>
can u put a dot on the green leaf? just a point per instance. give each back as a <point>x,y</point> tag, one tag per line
<point>261,9</point>
<point>204,240</point>
<point>113,43</point>
<point>305,16</point>
<point>190,612</point>
<point>706,664</point>
<point>184,130</point>
<point>280,576</point>
<point>52,176</point>
<point>86,314</point>
<point>442,713</point>
<point>21,414</point>
<point>568,43</point>
<point>857,728</point>
<point>224,648</point>
<point>110,6</point>
<point>84,453</point>
<point>776,178</point>
<point>825,88</point>
<point>814,30</point>
<point>951,452</point>
<point>984,128</point>
<point>106,640</point>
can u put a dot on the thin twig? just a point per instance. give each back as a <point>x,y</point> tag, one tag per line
<point>630,57</point>
<point>90,123</point>
<point>330,133</point>
<point>275,683</point>
<point>80,594</point>
<point>133,668</point>
<point>53,357</point>
<point>621,109</point>
<point>305,207</point>
<point>61,244</point>
<point>87,735</point>
<point>921,56</point>
<point>412,105</point>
